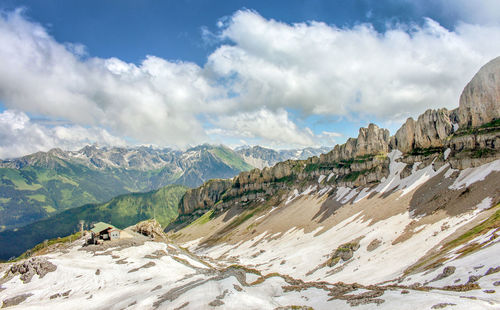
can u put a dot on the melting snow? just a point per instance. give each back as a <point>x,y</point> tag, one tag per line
<point>471,175</point>
<point>321,178</point>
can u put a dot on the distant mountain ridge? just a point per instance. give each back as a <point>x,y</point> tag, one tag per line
<point>261,157</point>
<point>35,186</point>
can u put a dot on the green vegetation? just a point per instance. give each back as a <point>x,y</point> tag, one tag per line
<point>40,189</point>
<point>481,153</point>
<point>44,245</point>
<point>122,211</point>
<point>492,126</point>
<point>231,159</point>
<point>353,176</point>
<point>311,167</point>
<point>32,193</point>
<point>426,151</point>
<point>204,218</point>
<point>493,222</point>
<point>289,180</point>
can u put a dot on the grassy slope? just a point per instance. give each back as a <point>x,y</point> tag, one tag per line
<point>121,211</point>
<point>231,159</point>
<point>34,192</point>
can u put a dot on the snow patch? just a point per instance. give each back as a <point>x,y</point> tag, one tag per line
<point>472,175</point>
<point>485,204</point>
<point>321,178</point>
<point>447,153</point>
<point>331,175</point>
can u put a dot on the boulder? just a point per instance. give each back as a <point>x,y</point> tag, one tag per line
<point>150,228</point>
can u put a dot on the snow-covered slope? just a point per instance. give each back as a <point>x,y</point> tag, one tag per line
<point>322,247</point>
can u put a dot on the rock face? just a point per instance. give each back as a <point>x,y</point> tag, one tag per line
<point>364,159</point>
<point>34,266</point>
<point>480,99</point>
<point>204,196</point>
<point>430,130</point>
<point>371,140</point>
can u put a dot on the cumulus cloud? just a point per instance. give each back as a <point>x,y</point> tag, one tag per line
<point>259,69</point>
<point>154,102</point>
<point>274,128</point>
<point>322,69</point>
<point>19,136</point>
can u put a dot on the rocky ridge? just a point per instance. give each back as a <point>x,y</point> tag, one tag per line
<point>465,137</point>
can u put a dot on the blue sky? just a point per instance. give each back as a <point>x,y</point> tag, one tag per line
<point>276,73</point>
<point>130,29</point>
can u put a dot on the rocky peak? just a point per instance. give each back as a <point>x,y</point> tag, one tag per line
<point>429,130</point>
<point>370,140</point>
<point>480,99</point>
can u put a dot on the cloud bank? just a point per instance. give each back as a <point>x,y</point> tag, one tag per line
<point>19,136</point>
<point>259,71</point>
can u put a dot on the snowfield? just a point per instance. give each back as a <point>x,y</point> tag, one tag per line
<point>321,247</point>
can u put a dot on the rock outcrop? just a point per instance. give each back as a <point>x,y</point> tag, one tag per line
<point>371,140</point>
<point>364,159</point>
<point>480,99</point>
<point>34,266</point>
<point>204,196</point>
<point>430,130</point>
<point>149,228</point>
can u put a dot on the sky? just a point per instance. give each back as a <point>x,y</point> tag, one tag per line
<point>281,74</point>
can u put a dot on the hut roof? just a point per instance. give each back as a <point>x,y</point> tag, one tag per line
<point>98,227</point>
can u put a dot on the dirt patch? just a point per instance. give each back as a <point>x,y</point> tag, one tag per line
<point>239,289</point>
<point>184,305</point>
<point>442,305</point>
<point>327,209</point>
<point>122,261</point>
<point>435,195</point>
<point>492,270</point>
<point>115,245</point>
<point>447,271</point>
<point>156,288</point>
<point>375,243</point>
<point>16,300</point>
<point>156,254</point>
<point>216,303</point>
<point>147,265</point>
<point>369,297</point>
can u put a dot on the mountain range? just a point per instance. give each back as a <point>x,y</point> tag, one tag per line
<point>408,221</point>
<point>39,185</point>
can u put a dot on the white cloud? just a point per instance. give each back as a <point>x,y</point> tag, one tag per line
<point>274,128</point>
<point>243,91</point>
<point>154,102</point>
<point>19,136</point>
<point>320,69</point>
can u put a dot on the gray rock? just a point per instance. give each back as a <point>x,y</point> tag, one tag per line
<point>480,99</point>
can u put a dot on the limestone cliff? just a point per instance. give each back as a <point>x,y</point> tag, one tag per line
<point>371,140</point>
<point>480,99</point>
<point>364,159</point>
<point>430,130</point>
<point>204,196</point>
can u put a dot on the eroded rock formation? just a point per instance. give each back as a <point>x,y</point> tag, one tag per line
<point>480,99</point>
<point>364,159</point>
